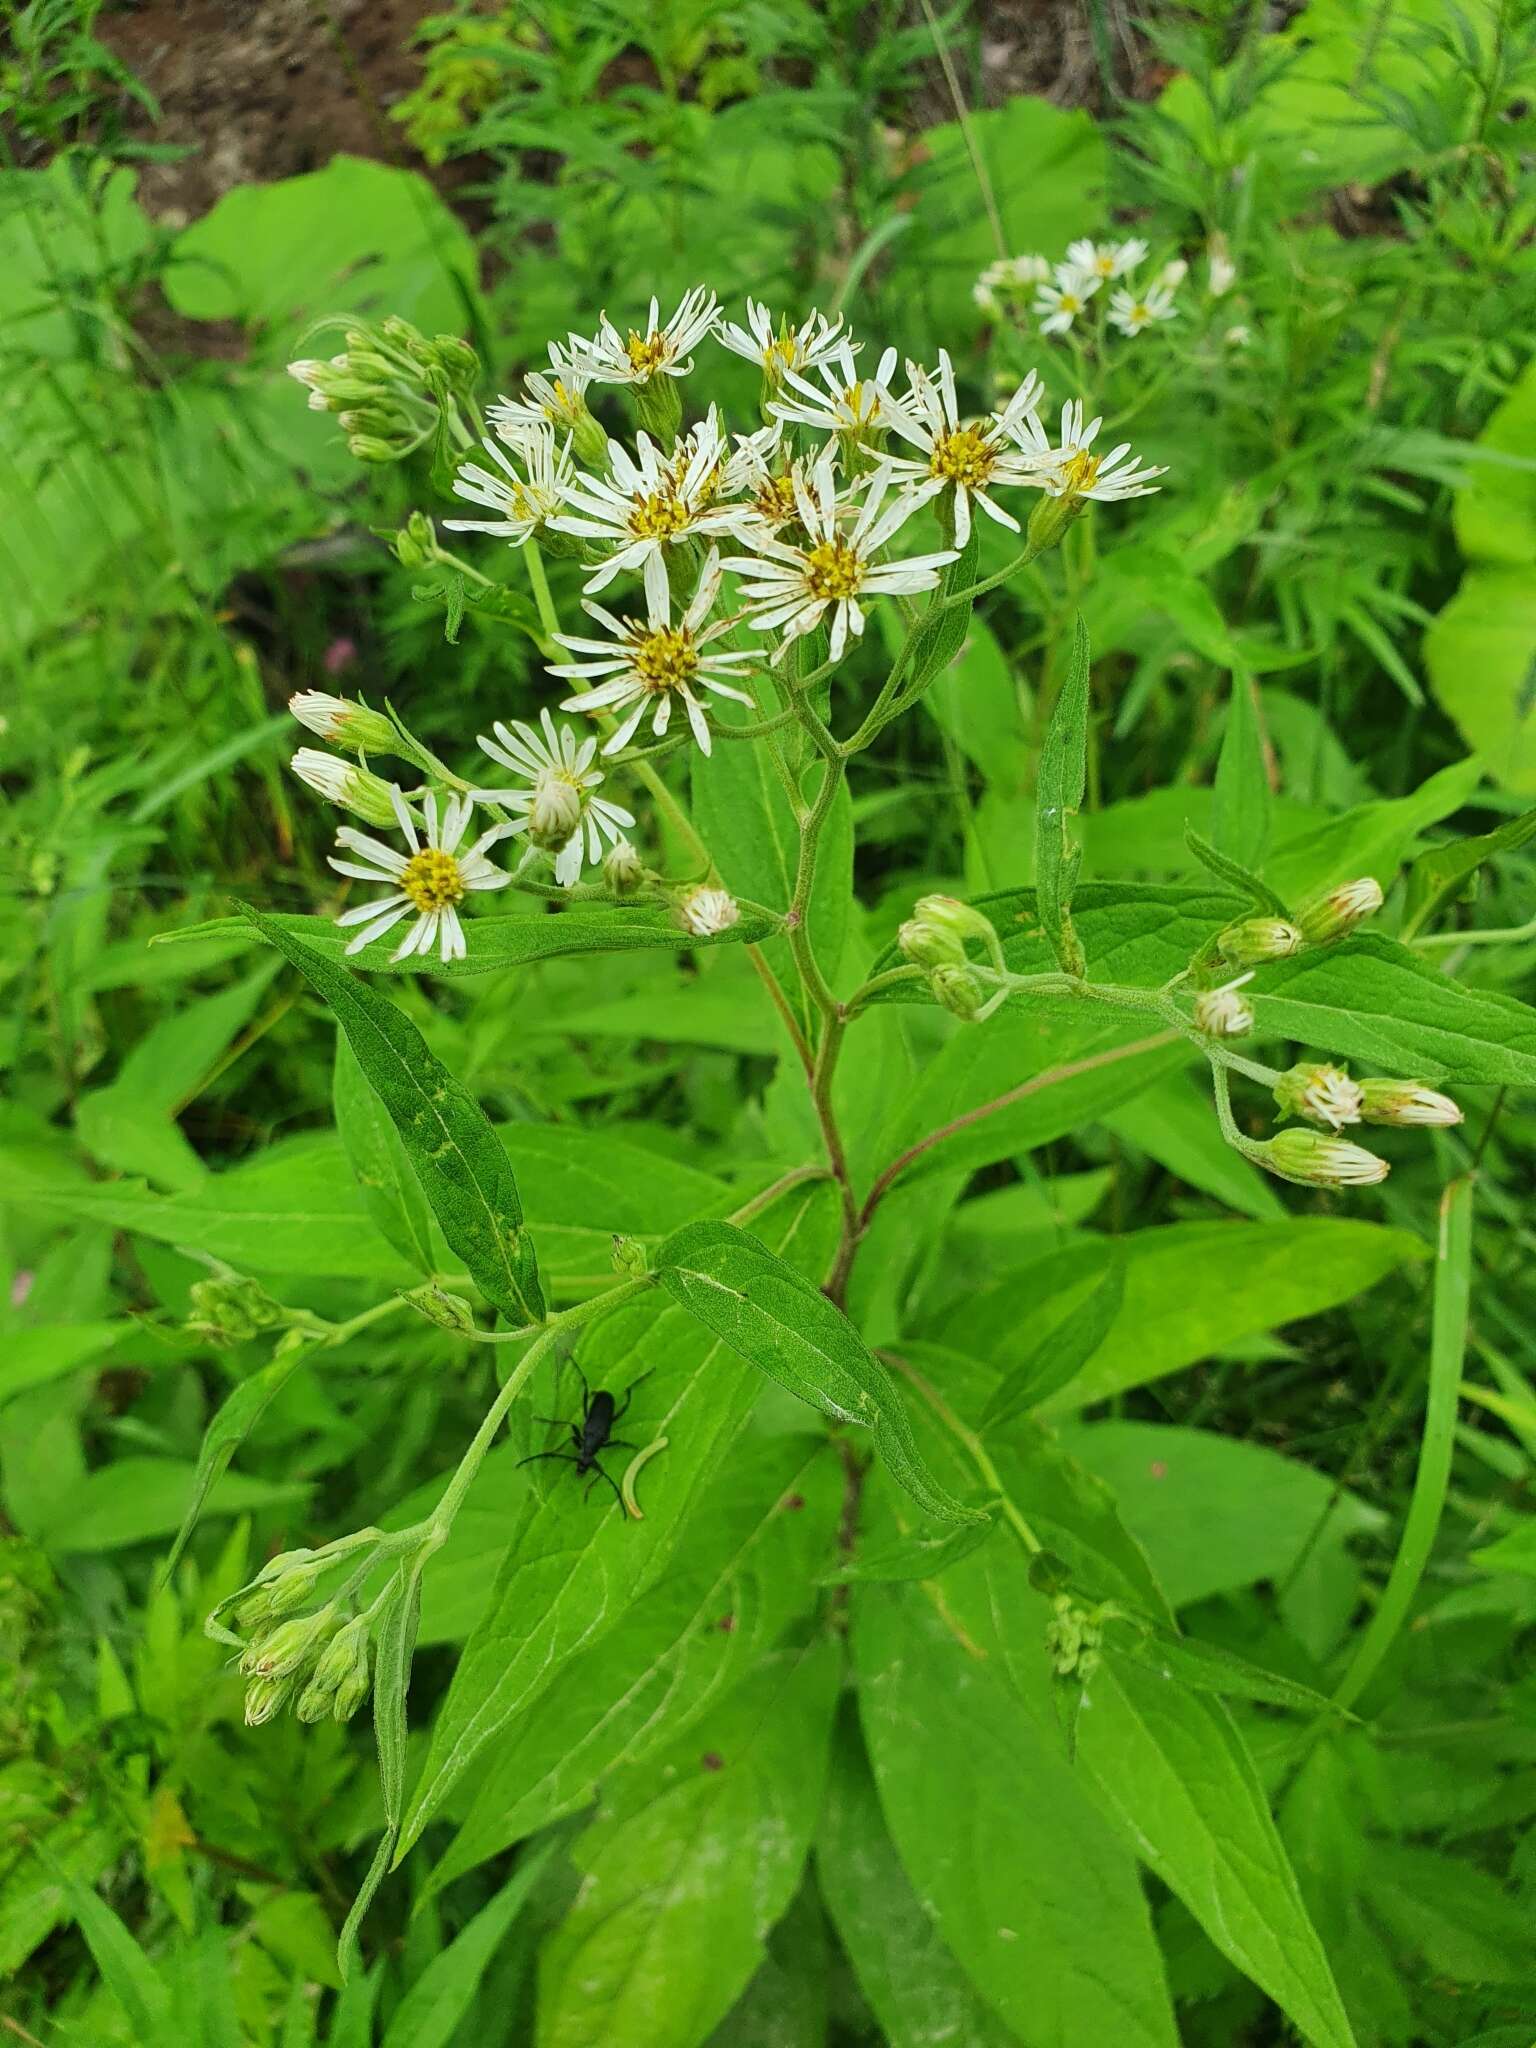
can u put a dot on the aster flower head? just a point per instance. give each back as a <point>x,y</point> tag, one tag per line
<point>761,470</point>
<point>557,400</point>
<point>558,807</point>
<point>526,495</point>
<point>969,459</point>
<point>1072,470</point>
<point>1058,305</point>
<point>1321,1093</point>
<point>792,587</point>
<point>1104,260</point>
<point>706,912</point>
<point>651,500</point>
<point>1131,311</point>
<point>845,403</point>
<point>656,349</point>
<point>776,349</point>
<point>649,664</point>
<point>1406,1102</point>
<point>432,879</point>
<point>1312,1159</point>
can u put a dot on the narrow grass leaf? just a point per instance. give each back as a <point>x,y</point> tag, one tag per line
<point>1063,778</point>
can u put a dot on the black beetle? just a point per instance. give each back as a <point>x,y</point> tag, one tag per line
<point>591,1435</point>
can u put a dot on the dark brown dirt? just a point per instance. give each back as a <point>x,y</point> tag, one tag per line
<point>264,89</point>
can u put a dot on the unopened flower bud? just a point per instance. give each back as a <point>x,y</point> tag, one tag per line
<point>958,990</point>
<point>342,1664</point>
<point>659,408</point>
<point>1223,1013</point>
<point>369,448</point>
<point>356,789</point>
<point>629,1256</point>
<point>290,1645</point>
<point>929,945</point>
<point>1406,1102</point>
<point>949,914</point>
<point>1255,939</point>
<point>232,1309</point>
<point>554,813</point>
<point>706,912</point>
<point>1331,916</point>
<point>344,722</point>
<point>457,358</point>
<point>1313,1160</point>
<point>1173,273</point>
<point>1319,1092</point>
<point>623,869</point>
<point>448,1311</point>
<point>265,1697</point>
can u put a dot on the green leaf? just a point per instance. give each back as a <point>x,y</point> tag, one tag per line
<point>1063,1354</point>
<point>1368,998</point>
<point>1190,1290</point>
<point>141,1500</point>
<point>1226,869</point>
<point>940,633</point>
<point>1038,1902</point>
<point>1063,779</point>
<point>913,1557</point>
<point>570,1572</point>
<point>687,1867</point>
<point>979,701</point>
<point>438,2003</point>
<point>31,1358</point>
<point>1371,839</point>
<point>461,1164</point>
<point>753,1549</point>
<point>1171,1121</point>
<point>1495,508</point>
<point>1205,1667</point>
<point>1444,871</point>
<point>396,1641</point>
<point>237,1417</point>
<point>1515,1552</point>
<point>372,1144</point>
<point>496,943</point>
<point>786,1327</point>
<point>126,1970</point>
<point>916,1989</point>
<point>1241,818</point>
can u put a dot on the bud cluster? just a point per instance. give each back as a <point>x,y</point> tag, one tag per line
<point>1073,1637</point>
<point>934,938</point>
<point>389,386</point>
<point>1325,1094</point>
<point>231,1309</point>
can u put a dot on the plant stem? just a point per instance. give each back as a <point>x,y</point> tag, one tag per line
<point>973,1445</point>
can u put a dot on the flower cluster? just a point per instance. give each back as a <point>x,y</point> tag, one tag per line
<point>1060,295</point>
<point>743,546</point>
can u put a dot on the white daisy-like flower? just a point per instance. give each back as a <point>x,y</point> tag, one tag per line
<point>525,502</point>
<point>972,459</point>
<point>760,470</point>
<point>1072,470</point>
<point>650,663</point>
<point>1105,260</point>
<point>433,879</point>
<point>558,809</point>
<point>776,349</point>
<point>706,912</point>
<point>1132,311</point>
<point>652,500</point>
<point>792,587</point>
<point>660,349</point>
<point>1058,305</point>
<point>557,401</point>
<point>849,404</point>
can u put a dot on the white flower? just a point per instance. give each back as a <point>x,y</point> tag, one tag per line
<point>1238,336</point>
<point>1222,272</point>
<point>1323,1094</point>
<point>1406,1102</point>
<point>1073,470</point>
<point>1173,273</point>
<point>355,788</point>
<point>316,376</point>
<point>792,587</point>
<point>525,502</point>
<point>706,912</point>
<point>849,404</point>
<point>1223,1012</point>
<point>781,348</point>
<point>1132,311</point>
<point>1103,260</point>
<point>558,809</point>
<point>1010,275</point>
<point>432,880</point>
<point>970,459</point>
<point>556,401</point>
<point>657,351</point>
<point>652,501</point>
<point>651,662</point>
<point>1059,304</point>
<point>322,713</point>
<point>759,471</point>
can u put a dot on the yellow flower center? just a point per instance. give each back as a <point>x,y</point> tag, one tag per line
<point>833,570</point>
<point>964,457</point>
<point>853,398</point>
<point>665,658</point>
<point>564,407</point>
<point>646,356</point>
<point>775,500</point>
<point>658,515</point>
<point>1080,473</point>
<point>781,354</point>
<point>1139,313</point>
<point>1069,302</point>
<point>1104,265</point>
<point>432,880</point>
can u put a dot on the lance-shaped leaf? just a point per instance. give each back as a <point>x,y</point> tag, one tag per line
<point>1226,868</point>
<point>461,1163</point>
<point>786,1327</point>
<point>377,1157</point>
<point>231,1426</point>
<point>391,1683</point>
<point>1241,813</point>
<point>1063,778</point>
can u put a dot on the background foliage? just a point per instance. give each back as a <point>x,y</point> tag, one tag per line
<point>1349,520</point>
